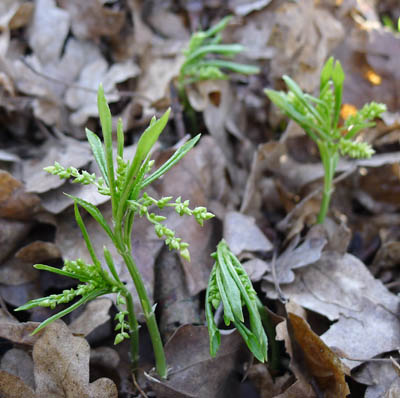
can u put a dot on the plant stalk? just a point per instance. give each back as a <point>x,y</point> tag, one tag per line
<point>161,363</point>
<point>134,329</point>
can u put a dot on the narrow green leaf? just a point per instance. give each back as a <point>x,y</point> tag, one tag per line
<point>86,237</point>
<point>223,49</point>
<point>146,142</point>
<point>91,296</point>
<point>228,314</point>
<point>110,264</point>
<point>81,277</point>
<point>218,27</point>
<point>95,213</point>
<point>214,334</point>
<point>106,126</point>
<point>233,66</point>
<point>172,161</point>
<point>98,153</point>
<point>230,286</point>
<point>252,342</point>
<point>120,139</point>
<point>326,73</point>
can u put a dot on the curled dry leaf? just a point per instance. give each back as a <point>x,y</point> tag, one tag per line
<point>322,363</point>
<point>312,361</point>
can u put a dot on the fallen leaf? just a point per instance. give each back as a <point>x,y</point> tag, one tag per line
<point>11,233</point>
<point>95,314</point>
<point>66,151</point>
<point>304,35</point>
<point>61,366</point>
<point>193,373</point>
<point>15,202</point>
<point>341,288</point>
<point>242,234</point>
<point>323,364</point>
<point>19,333</point>
<point>91,19</point>
<point>244,7</point>
<point>19,363</point>
<point>294,257</point>
<point>12,386</point>
<point>38,251</point>
<point>16,272</point>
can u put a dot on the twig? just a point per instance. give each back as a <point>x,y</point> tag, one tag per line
<point>138,387</point>
<point>281,296</point>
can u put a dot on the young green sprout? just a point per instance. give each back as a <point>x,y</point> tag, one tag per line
<point>122,180</point>
<point>319,118</point>
<point>230,285</point>
<point>199,66</point>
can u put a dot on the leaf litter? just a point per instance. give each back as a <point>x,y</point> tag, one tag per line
<point>262,185</point>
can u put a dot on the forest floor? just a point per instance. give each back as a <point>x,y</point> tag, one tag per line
<point>332,289</point>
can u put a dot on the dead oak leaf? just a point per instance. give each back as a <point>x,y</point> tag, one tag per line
<point>62,366</point>
<point>341,288</point>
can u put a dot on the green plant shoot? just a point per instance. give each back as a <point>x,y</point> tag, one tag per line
<point>123,180</point>
<point>199,66</point>
<point>319,118</point>
<point>230,285</point>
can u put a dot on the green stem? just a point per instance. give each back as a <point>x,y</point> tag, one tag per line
<point>329,157</point>
<point>134,329</point>
<point>161,363</point>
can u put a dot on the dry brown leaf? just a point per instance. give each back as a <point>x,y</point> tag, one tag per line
<point>95,314</point>
<point>341,288</point>
<point>62,366</point>
<point>296,256</point>
<point>19,333</point>
<point>12,386</point>
<point>91,20</point>
<point>378,376</point>
<point>175,305</point>
<point>242,234</point>
<point>38,251</point>
<point>66,151</point>
<point>16,272</point>
<point>193,372</point>
<point>15,202</point>
<point>322,363</point>
<point>304,35</point>
<point>19,363</point>
<point>11,233</point>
